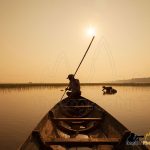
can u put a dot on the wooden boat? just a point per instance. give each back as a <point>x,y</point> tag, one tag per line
<point>113,91</point>
<point>109,90</point>
<point>80,124</point>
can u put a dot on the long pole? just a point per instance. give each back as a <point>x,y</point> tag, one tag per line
<point>81,62</point>
<point>84,55</point>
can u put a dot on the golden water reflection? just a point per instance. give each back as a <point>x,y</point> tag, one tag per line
<point>21,109</point>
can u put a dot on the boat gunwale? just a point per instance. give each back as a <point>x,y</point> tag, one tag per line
<point>46,116</point>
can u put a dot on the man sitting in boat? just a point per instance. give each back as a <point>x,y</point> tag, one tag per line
<point>74,87</point>
<point>109,90</point>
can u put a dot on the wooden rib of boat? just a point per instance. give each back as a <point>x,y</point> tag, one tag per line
<point>78,123</point>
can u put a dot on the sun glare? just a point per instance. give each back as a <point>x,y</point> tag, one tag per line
<point>91,31</point>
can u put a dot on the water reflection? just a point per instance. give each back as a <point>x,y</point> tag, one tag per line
<point>23,87</point>
<point>22,108</point>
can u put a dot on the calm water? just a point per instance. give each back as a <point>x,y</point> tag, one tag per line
<point>22,109</point>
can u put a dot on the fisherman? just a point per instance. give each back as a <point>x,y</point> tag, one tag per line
<point>107,89</point>
<point>74,87</point>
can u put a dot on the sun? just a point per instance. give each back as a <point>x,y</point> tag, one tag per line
<point>91,31</point>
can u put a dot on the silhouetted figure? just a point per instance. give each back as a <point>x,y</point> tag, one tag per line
<point>133,139</point>
<point>74,86</point>
<point>108,90</point>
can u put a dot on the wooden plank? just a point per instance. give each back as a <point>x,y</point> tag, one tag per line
<point>81,142</point>
<point>77,119</point>
<point>84,106</point>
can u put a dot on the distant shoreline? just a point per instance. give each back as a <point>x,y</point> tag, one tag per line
<point>28,85</point>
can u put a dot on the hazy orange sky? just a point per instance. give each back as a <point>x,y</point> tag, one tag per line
<point>44,40</point>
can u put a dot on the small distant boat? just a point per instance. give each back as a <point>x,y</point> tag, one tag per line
<point>78,123</point>
<point>109,90</point>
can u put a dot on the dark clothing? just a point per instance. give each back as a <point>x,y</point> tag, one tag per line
<point>75,94</point>
<point>107,89</point>
<point>74,88</point>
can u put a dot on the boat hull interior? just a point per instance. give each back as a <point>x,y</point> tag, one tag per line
<point>78,123</point>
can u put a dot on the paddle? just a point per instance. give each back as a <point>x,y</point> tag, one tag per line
<point>80,63</point>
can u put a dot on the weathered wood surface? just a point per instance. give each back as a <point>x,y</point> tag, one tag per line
<point>79,142</point>
<point>76,119</point>
<point>88,127</point>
